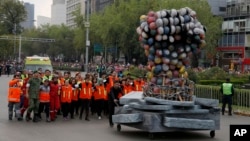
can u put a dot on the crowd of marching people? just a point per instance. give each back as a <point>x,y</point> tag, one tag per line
<point>51,93</point>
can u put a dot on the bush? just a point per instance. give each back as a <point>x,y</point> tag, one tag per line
<point>214,73</point>
<point>192,75</point>
<point>219,82</point>
<point>135,72</point>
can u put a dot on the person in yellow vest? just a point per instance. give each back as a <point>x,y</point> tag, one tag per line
<point>99,95</point>
<point>24,74</point>
<point>44,98</point>
<point>85,96</point>
<point>66,96</point>
<point>14,97</point>
<point>47,75</point>
<point>227,89</point>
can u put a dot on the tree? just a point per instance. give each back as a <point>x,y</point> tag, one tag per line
<point>63,44</point>
<point>12,13</point>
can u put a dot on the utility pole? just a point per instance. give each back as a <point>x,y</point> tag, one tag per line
<point>87,24</point>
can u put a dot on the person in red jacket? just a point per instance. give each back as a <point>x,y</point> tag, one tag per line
<point>24,100</point>
<point>54,97</point>
<point>85,96</point>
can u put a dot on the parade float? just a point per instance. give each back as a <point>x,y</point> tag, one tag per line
<point>167,103</point>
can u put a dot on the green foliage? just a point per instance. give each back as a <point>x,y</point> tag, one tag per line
<point>12,13</point>
<point>192,75</point>
<point>214,73</point>
<point>135,72</point>
<point>219,82</point>
<point>63,44</point>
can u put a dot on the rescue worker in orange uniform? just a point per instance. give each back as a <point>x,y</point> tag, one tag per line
<point>128,86</point>
<point>66,95</point>
<point>139,83</point>
<point>14,95</point>
<point>54,97</point>
<point>99,95</point>
<point>44,98</point>
<point>85,96</point>
<point>74,106</point>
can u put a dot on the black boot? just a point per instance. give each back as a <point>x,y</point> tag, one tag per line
<point>28,118</point>
<point>35,119</point>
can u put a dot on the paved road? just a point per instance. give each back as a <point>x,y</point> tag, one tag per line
<point>94,130</point>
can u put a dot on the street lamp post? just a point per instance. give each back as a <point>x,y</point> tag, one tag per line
<point>87,37</point>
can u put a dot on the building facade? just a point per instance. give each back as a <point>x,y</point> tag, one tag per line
<point>29,22</point>
<point>58,12</point>
<point>218,7</point>
<point>71,6</point>
<point>42,20</point>
<point>234,47</point>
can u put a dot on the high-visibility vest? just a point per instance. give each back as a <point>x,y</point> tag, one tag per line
<point>127,88</point>
<point>66,94</point>
<point>111,82</point>
<point>139,85</point>
<point>14,90</point>
<point>75,94</point>
<point>44,96</point>
<point>86,90</point>
<point>101,93</point>
<point>227,88</point>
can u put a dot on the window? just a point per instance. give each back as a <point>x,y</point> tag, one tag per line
<point>222,9</point>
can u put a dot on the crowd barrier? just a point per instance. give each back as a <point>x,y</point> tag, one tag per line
<point>241,98</point>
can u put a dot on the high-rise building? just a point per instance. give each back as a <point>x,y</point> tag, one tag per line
<point>42,20</point>
<point>58,12</point>
<point>29,22</point>
<point>99,5</point>
<point>71,6</point>
<point>234,47</point>
<point>218,7</point>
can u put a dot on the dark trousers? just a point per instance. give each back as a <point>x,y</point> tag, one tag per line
<point>106,107</point>
<point>99,103</point>
<point>65,109</point>
<point>74,108</point>
<point>93,105</point>
<point>44,106</point>
<point>84,106</point>
<point>227,99</point>
<point>14,106</point>
<point>111,111</point>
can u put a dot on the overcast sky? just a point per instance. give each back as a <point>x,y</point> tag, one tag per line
<point>42,7</point>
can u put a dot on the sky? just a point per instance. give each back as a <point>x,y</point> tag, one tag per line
<point>42,7</point>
